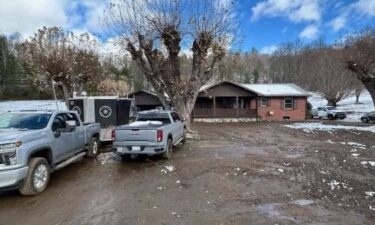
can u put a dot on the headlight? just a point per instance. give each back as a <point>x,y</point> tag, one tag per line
<point>11,145</point>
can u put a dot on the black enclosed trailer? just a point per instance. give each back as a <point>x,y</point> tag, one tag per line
<point>109,111</point>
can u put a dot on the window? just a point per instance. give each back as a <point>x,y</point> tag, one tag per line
<point>58,123</point>
<point>71,116</point>
<point>288,103</point>
<point>263,102</point>
<point>175,117</point>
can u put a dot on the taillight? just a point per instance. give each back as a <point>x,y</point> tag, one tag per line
<point>159,135</point>
<point>113,135</point>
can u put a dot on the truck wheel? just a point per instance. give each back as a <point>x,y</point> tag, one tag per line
<point>184,137</point>
<point>168,152</point>
<point>331,117</point>
<point>364,120</point>
<point>37,177</point>
<point>94,148</point>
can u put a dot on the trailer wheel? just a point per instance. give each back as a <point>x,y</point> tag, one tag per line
<point>94,148</point>
<point>37,177</point>
<point>168,152</point>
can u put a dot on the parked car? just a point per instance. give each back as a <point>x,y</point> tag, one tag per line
<point>329,112</point>
<point>368,117</point>
<point>153,133</point>
<point>33,144</point>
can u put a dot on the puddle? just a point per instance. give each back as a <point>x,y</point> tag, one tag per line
<point>109,158</point>
<point>303,202</point>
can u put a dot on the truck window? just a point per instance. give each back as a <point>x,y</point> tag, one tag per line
<point>72,116</point>
<point>175,117</point>
<point>58,123</point>
<point>162,117</point>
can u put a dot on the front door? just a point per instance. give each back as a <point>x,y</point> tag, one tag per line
<point>179,126</point>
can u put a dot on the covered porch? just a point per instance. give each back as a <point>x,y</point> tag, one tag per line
<point>224,107</point>
<point>225,101</point>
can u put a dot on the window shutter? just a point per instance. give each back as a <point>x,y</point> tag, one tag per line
<point>282,103</point>
<point>295,103</point>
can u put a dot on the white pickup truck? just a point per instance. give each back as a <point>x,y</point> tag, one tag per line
<point>328,112</point>
<point>154,132</point>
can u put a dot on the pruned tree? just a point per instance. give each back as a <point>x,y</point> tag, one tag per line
<point>359,55</point>
<point>67,59</point>
<point>154,32</point>
<point>330,77</point>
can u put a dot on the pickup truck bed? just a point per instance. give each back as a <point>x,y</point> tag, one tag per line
<point>153,132</point>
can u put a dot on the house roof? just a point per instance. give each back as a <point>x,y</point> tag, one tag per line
<point>149,92</point>
<point>276,89</point>
<point>269,90</point>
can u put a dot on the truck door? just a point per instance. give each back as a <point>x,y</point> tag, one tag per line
<point>322,112</point>
<point>78,141</point>
<point>62,144</point>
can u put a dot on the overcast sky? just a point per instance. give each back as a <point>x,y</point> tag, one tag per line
<point>264,23</point>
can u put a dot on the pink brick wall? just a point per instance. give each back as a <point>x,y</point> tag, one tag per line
<point>275,105</point>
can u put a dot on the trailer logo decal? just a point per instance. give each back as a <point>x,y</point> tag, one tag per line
<point>105,111</point>
<point>77,109</point>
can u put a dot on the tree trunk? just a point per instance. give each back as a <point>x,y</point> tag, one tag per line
<point>370,86</point>
<point>357,94</point>
<point>66,94</point>
<point>332,102</point>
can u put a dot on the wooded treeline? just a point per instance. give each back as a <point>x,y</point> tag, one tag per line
<point>317,67</point>
<point>72,61</point>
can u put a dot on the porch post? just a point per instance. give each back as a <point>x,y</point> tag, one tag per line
<point>237,106</point>
<point>214,99</point>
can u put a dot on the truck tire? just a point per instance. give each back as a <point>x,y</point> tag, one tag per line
<point>37,177</point>
<point>168,152</point>
<point>364,120</point>
<point>94,148</point>
<point>184,137</point>
<point>331,117</point>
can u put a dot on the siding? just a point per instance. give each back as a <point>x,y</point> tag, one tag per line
<point>275,105</point>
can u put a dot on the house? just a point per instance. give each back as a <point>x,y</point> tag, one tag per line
<point>270,102</point>
<point>146,100</point>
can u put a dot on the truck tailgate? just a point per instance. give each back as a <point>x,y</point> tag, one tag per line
<point>136,134</point>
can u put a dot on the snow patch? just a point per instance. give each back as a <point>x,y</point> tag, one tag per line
<point>31,105</point>
<point>167,169</point>
<point>371,163</point>
<point>145,123</point>
<point>310,127</point>
<point>370,193</point>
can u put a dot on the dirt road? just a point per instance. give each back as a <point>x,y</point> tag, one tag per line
<point>231,174</point>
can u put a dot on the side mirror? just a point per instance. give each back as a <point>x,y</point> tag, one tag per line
<point>57,133</point>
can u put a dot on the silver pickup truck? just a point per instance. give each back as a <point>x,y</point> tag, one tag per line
<point>35,143</point>
<point>153,133</point>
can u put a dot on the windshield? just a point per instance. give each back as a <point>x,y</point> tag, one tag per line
<point>331,108</point>
<point>162,117</point>
<point>32,121</point>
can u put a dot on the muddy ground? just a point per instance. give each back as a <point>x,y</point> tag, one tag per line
<point>255,173</point>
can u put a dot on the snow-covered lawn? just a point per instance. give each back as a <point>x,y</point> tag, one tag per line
<point>30,105</point>
<point>311,127</point>
<point>354,111</point>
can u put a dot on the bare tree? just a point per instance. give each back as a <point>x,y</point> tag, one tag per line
<point>330,77</point>
<point>360,58</point>
<point>156,31</point>
<point>55,55</point>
